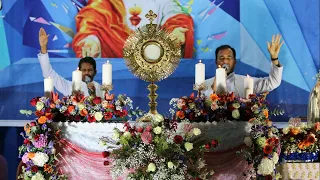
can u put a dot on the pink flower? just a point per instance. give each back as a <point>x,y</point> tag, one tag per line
<point>40,142</point>
<point>25,158</point>
<point>187,128</point>
<point>140,129</point>
<point>148,128</point>
<point>181,103</point>
<point>146,137</point>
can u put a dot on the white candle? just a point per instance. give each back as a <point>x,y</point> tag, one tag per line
<point>248,86</point>
<point>221,83</point>
<point>76,80</point>
<point>48,85</point>
<point>107,73</point>
<point>200,73</point>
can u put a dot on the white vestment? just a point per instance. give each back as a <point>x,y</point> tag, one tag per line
<point>235,82</point>
<point>62,85</point>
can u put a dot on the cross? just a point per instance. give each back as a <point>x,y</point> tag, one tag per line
<point>151,16</point>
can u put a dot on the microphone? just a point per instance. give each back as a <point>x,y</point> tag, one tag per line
<point>87,80</point>
<point>225,66</point>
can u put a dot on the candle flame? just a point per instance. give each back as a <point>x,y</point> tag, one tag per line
<point>199,61</point>
<point>248,76</point>
<point>108,61</point>
<point>219,66</point>
<point>78,68</point>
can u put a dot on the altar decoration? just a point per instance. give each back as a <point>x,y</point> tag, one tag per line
<point>152,54</point>
<point>314,103</point>
<point>40,137</point>
<point>220,107</point>
<point>157,150</point>
<point>300,143</point>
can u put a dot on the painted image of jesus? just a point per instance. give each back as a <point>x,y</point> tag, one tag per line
<point>104,25</point>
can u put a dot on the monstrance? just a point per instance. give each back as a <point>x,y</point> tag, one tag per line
<point>152,54</point>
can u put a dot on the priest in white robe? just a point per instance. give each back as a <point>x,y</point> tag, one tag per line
<point>226,57</point>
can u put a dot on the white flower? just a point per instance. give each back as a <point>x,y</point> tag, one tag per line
<point>248,141</point>
<point>37,176</point>
<point>196,131</point>
<point>236,105</point>
<point>236,114</point>
<point>158,118</point>
<point>157,130</point>
<point>171,111</point>
<point>286,130</point>
<point>151,167</point>
<point>170,165</point>
<point>98,116</point>
<point>40,159</point>
<point>116,135</point>
<point>81,106</point>
<point>127,135</point>
<point>53,151</point>
<point>303,126</point>
<point>266,167</point>
<point>275,158</point>
<point>39,105</point>
<point>188,146</point>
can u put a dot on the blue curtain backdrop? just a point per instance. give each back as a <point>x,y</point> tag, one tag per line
<point>246,25</point>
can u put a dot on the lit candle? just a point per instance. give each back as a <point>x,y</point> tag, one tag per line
<point>107,73</point>
<point>48,86</point>
<point>221,83</point>
<point>248,86</point>
<point>200,73</point>
<point>76,80</point>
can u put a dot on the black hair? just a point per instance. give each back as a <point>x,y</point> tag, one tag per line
<point>225,47</point>
<point>89,60</point>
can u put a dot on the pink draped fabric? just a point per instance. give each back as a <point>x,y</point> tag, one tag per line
<point>227,165</point>
<point>78,164</point>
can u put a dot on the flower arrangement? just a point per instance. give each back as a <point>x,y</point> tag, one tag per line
<point>79,108</point>
<point>231,107</point>
<point>264,150</point>
<point>188,108</point>
<point>219,107</point>
<point>300,142</point>
<point>158,150</point>
<point>38,152</point>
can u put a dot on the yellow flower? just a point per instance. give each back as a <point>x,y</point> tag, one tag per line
<point>151,167</point>
<point>188,146</point>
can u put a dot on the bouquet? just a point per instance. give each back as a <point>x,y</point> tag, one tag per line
<point>300,142</point>
<point>159,150</point>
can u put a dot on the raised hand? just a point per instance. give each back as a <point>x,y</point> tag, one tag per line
<point>90,47</point>
<point>180,34</point>
<point>275,46</point>
<point>43,40</point>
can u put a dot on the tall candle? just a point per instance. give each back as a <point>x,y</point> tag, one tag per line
<point>248,86</point>
<point>76,80</point>
<point>200,73</point>
<point>221,83</point>
<point>48,86</point>
<point>107,73</point>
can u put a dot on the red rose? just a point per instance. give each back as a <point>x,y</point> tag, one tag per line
<point>34,169</point>
<point>122,113</point>
<point>49,115</point>
<point>177,139</point>
<point>207,146</point>
<point>48,110</point>
<point>33,124</point>
<point>36,137</point>
<point>267,149</point>
<point>106,163</point>
<point>140,129</point>
<point>97,100</point>
<point>108,115</point>
<point>214,143</point>
<point>105,154</point>
<point>91,119</point>
<point>34,101</point>
<point>38,113</point>
<point>26,141</point>
<point>268,177</point>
